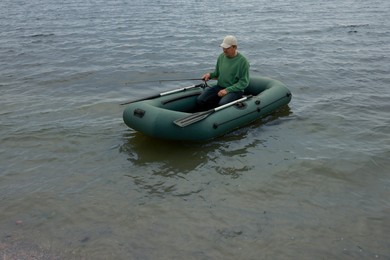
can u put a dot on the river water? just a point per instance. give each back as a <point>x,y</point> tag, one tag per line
<point>308,182</point>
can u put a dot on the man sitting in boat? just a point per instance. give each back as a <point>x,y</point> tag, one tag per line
<point>232,73</point>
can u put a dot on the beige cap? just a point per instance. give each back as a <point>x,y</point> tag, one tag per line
<point>228,41</point>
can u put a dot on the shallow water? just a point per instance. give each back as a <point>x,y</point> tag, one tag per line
<point>308,182</point>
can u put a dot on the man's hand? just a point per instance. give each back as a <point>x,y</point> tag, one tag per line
<point>206,77</point>
<point>222,93</point>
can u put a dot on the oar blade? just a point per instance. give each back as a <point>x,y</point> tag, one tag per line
<point>188,120</point>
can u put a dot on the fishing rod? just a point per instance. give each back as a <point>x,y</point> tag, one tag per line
<point>204,85</point>
<point>161,80</point>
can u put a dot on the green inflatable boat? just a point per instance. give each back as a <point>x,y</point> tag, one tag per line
<point>170,115</point>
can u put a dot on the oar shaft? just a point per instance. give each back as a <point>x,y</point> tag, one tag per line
<point>176,90</point>
<point>231,103</point>
<point>196,117</point>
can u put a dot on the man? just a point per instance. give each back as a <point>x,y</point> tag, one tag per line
<point>232,73</point>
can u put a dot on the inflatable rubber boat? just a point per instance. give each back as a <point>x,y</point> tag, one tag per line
<point>171,115</point>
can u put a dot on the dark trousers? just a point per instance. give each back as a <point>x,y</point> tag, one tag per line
<point>209,98</point>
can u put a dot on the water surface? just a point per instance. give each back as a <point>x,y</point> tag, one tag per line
<point>308,182</point>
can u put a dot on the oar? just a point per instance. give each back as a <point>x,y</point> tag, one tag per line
<point>163,94</point>
<point>196,117</point>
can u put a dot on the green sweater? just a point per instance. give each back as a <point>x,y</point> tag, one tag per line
<point>232,73</point>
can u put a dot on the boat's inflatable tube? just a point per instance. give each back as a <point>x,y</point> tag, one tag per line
<point>169,116</point>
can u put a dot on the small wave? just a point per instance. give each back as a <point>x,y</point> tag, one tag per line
<point>41,35</point>
<point>352,28</point>
<point>354,25</point>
